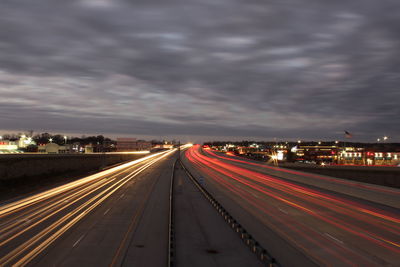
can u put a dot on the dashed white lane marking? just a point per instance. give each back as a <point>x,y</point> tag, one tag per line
<point>284,211</point>
<point>255,195</point>
<point>106,211</point>
<point>77,241</point>
<point>337,240</point>
<point>122,196</point>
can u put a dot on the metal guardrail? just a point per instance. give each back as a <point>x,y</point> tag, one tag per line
<point>171,228</point>
<point>262,254</point>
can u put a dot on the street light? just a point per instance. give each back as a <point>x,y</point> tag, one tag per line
<point>1,137</point>
<point>51,140</point>
<point>378,139</point>
<point>65,139</point>
<point>299,141</point>
<point>385,138</point>
<point>336,142</point>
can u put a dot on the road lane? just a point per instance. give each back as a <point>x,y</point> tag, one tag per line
<point>380,194</point>
<point>326,227</point>
<point>28,227</point>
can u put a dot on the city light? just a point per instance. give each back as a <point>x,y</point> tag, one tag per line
<point>279,155</point>
<point>28,141</point>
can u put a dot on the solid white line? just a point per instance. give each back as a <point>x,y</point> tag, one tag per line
<point>77,241</point>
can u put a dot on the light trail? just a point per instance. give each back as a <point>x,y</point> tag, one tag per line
<point>357,222</point>
<point>43,207</point>
<point>310,175</point>
<point>49,193</point>
<point>284,225</point>
<point>82,196</point>
<point>318,195</point>
<point>129,152</point>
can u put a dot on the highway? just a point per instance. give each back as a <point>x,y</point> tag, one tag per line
<point>120,217</point>
<point>117,217</point>
<point>304,219</point>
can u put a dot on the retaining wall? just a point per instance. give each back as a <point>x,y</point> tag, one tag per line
<point>19,167</point>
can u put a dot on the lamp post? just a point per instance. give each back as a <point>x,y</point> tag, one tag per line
<point>51,140</point>
<point>65,139</point>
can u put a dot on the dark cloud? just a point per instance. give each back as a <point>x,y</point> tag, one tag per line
<point>226,68</point>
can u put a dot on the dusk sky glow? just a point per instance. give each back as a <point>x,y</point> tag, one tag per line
<point>202,69</point>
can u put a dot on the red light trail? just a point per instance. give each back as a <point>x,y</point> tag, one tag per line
<point>309,218</point>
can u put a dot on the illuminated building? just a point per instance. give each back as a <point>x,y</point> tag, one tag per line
<point>317,154</point>
<point>345,155</point>
<point>25,141</point>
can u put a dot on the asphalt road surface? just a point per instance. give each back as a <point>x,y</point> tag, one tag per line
<point>202,236</point>
<point>118,217</point>
<point>304,219</point>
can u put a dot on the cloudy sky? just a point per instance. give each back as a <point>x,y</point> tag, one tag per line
<point>201,69</point>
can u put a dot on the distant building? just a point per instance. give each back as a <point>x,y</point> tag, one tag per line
<point>370,158</point>
<point>88,149</point>
<point>52,148</point>
<point>132,144</point>
<point>345,155</point>
<point>317,154</point>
